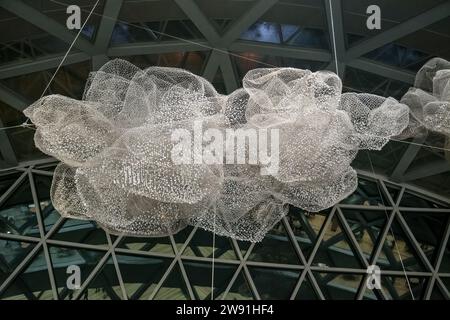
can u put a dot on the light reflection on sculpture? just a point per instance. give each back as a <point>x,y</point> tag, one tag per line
<point>115,144</point>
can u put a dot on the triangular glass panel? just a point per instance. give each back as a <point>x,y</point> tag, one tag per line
<point>128,33</point>
<point>81,231</point>
<point>32,284</point>
<point>43,185</point>
<point>62,258</point>
<point>393,190</point>
<point>445,263</point>
<point>201,246</point>
<point>198,272</point>
<point>436,294</point>
<point>174,287</point>
<point>181,236</point>
<point>428,229</point>
<point>194,61</point>
<point>289,33</point>
<point>306,227</point>
<point>105,285</point>
<point>222,24</point>
<point>262,31</point>
<point>244,247</point>
<point>274,284</point>
<point>367,193</point>
<point>446,281</point>
<point>336,249</point>
<point>141,274</point>
<point>399,251</point>
<point>8,180</point>
<point>219,82</point>
<point>240,290</point>
<point>184,29</point>
<point>159,245</point>
<point>306,291</point>
<point>409,199</point>
<point>373,294</point>
<point>224,249</point>
<point>49,214</point>
<point>275,247</point>
<point>18,213</point>
<point>367,226</point>
<point>402,288</point>
<point>49,167</point>
<point>29,41</point>
<point>338,286</point>
<point>11,255</point>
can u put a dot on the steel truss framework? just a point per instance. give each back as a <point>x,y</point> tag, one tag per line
<point>100,50</point>
<point>306,256</point>
<point>325,256</point>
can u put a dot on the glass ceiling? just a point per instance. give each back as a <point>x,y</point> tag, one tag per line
<point>288,33</point>
<point>307,255</point>
<point>285,33</point>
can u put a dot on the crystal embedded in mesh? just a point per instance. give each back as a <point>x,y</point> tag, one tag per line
<point>115,146</point>
<point>429,99</point>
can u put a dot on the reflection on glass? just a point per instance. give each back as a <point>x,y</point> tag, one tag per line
<point>31,284</point>
<point>141,274</point>
<point>201,284</point>
<point>62,258</point>
<point>274,284</point>
<point>11,255</point>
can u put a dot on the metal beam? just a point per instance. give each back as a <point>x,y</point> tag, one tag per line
<point>110,14</point>
<point>407,158</point>
<point>228,73</point>
<point>6,149</point>
<point>403,29</point>
<point>158,47</point>
<point>280,50</point>
<point>212,65</point>
<point>98,61</point>
<point>13,99</point>
<point>45,23</point>
<point>431,168</point>
<point>383,70</point>
<point>333,9</point>
<point>28,66</point>
<point>245,21</point>
<point>195,14</point>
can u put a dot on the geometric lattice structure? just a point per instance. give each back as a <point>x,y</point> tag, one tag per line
<point>306,256</point>
<point>221,42</point>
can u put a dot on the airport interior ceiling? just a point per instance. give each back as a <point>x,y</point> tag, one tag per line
<point>398,218</point>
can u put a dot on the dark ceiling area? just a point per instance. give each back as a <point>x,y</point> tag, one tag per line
<point>397,218</point>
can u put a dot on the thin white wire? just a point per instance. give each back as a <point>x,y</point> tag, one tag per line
<point>222,51</point>
<point>219,50</point>
<point>70,48</point>
<point>240,56</point>
<point>213,256</point>
<point>212,48</point>
<point>373,171</point>
<point>62,61</point>
<point>175,37</point>
<point>390,229</point>
<point>334,38</point>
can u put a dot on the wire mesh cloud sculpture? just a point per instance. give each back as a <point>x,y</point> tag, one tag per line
<point>116,145</point>
<point>429,99</point>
